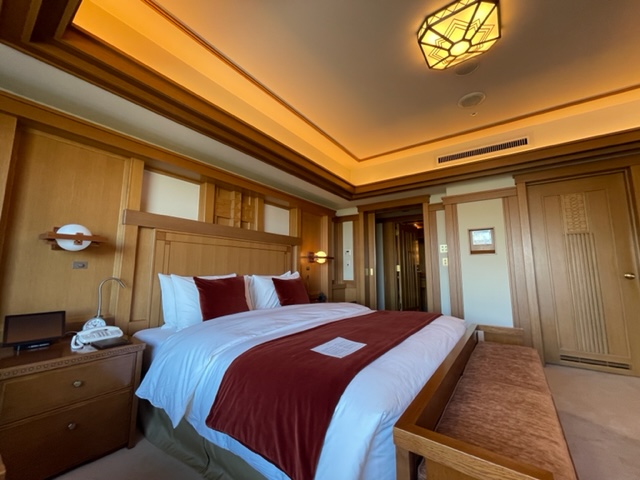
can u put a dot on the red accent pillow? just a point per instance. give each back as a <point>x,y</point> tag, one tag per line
<point>222,296</point>
<point>290,292</point>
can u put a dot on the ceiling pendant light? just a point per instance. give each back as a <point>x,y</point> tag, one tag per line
<point>462,30</point>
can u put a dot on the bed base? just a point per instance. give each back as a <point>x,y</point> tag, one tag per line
<point>185,444</point>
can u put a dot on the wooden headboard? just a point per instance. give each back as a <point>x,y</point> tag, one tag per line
<point>229,250</point>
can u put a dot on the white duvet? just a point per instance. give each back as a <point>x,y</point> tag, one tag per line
<point>188,368</point>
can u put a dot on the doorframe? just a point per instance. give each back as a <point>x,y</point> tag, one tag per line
<point>366,246</point>
<point>627,163</point>
<point>515,253</point>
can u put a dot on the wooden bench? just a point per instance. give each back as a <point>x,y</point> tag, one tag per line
<point>485,414</point>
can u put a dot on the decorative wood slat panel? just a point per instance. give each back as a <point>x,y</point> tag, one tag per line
<point>584,276</point>
<point>237,209</point>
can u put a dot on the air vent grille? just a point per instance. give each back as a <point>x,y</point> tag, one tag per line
<point>483,150</point>
<point>591,361</point>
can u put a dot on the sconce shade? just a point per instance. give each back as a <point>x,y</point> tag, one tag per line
<point>318,257</point>
<point>71,237</point>
<point>321,257</point>
<point>73,245</point>
<point>460,31</point>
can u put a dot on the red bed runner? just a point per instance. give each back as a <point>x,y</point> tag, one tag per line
<point>278,397</point>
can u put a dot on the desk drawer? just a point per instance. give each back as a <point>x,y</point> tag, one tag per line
<point>50,444</point>
<point>29,395</point>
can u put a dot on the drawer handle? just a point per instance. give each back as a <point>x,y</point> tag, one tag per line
<point>78,383</point>
<point>72,426</point>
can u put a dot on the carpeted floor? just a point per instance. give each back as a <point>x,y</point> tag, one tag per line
<point>600,414</point>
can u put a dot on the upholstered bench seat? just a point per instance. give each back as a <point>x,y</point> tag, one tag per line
<point>510,364</point>
<point>503,404</point>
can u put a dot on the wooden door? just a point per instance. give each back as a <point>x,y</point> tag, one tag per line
<point>586,269</point>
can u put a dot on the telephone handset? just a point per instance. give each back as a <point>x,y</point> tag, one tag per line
<point>86,337</point>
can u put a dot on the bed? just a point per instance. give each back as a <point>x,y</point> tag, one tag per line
<point>187,364</point>
<point>359,446</point>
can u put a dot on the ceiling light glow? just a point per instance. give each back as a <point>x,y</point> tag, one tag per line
<point>460,31</point>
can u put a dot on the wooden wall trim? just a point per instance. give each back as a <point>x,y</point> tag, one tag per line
<point>8,132</point>
<point>516,268</point>
<point>164,222</point>
<point>634,174</point>
<point>127,242</point>
<point>432,260</point>
<point>346,218</point>
<point>615,161</point>
<point>529,269</point>
<point>455,267</point>
<point>48,120</point>
<point>480,196</point>
<point>393,204</point>
<point>508,335</point>
<point>434,297</point>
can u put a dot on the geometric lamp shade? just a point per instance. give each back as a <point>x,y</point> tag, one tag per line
<point>462,30</point>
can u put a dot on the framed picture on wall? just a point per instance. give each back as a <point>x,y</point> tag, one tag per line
<point>482,240</point>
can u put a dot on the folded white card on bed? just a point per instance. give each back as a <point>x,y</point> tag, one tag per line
<point>338,347</point>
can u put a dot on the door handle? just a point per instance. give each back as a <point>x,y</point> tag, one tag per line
<point>629,276</point>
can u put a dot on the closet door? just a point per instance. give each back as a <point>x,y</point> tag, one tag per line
<point>586,267</point>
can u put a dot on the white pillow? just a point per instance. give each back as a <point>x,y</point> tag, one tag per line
<point>168,298</point>
<point>187,300</point>
<point>262,292</point>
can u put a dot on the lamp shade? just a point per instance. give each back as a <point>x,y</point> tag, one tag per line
<point>321,257</point>
<point>460,31</point>
<point>71,244</point>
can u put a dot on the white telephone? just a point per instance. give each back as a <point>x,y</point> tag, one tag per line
<point>86,337</point>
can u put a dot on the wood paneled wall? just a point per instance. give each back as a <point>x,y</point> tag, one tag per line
<point>57,182</point>
<point>56,170</point>
<point>316,231</point>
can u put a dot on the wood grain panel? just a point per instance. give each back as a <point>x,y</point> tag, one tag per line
<point>192,254</point>
<point>8,132</point>
<point>517,268</point>
<point>455,267</point>
<point>584,278</point>
<point>59,182</point>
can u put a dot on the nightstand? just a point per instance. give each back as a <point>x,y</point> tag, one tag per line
<point>59,408</point>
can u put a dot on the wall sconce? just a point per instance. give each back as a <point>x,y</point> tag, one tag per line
<point>71,237</point>
<point>460,31</point>
<point>98,320</point>
<point>318,257</point>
